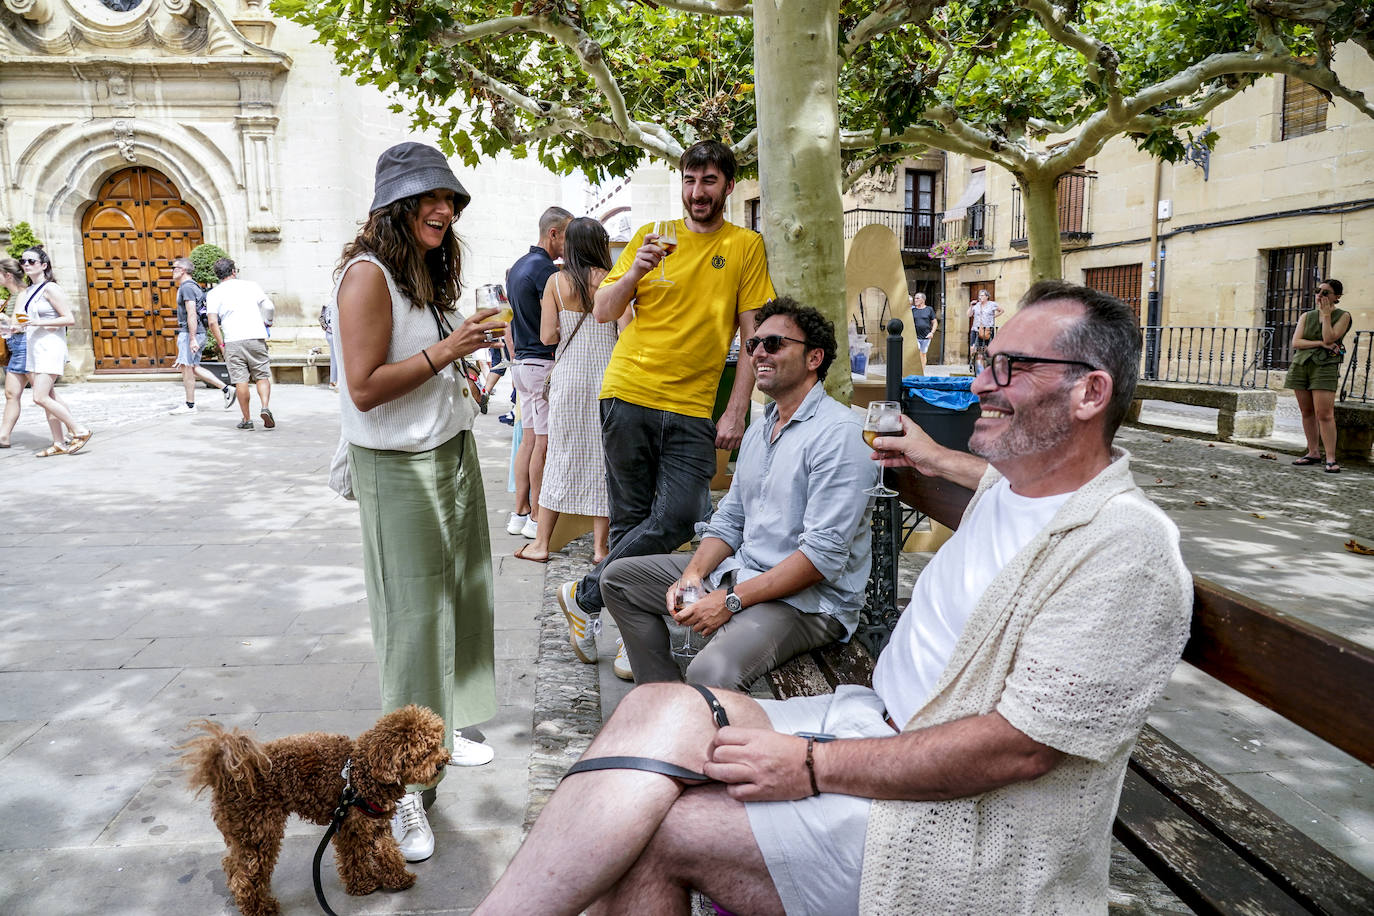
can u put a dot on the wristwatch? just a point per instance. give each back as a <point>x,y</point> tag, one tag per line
<point>732,602</point>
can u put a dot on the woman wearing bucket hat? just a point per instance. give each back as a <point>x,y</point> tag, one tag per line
<point>406,417</point>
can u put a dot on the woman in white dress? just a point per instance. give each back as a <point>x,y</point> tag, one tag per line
<point>575,468</point>
<point>47,316</point>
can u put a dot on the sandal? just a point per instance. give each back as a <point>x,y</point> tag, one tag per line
<point>520,555</point>
<point>77,443</point>
<point>51,450</point>
<point>1332,468</point>
<point>1308,459</point>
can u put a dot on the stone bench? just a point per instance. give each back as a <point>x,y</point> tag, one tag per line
<point>300,369</point>
<point>1354,430</point>
<point>1246,413</point>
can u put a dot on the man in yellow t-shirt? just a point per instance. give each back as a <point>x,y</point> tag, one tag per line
<point>660,386</point>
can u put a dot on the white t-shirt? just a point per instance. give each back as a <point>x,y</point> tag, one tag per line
<point>985,314</point>
<point>947,591</point>
<point>235,303</point>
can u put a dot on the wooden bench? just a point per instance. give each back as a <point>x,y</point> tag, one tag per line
<point>300,369</point>
<point>1247,413</point>
<point>1215,847</point>
<point>1354,430</point>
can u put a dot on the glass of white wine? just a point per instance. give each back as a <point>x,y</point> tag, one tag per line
<point>884,418</point>
<point>666,230</point>
<point>688,593</point>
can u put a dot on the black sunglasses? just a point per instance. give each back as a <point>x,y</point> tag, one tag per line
<point>771,344</point>
<point>30,261</point>
<point>1325,292</point>
<point>1002,365</point>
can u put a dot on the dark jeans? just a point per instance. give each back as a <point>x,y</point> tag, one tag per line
<point>659,467</point>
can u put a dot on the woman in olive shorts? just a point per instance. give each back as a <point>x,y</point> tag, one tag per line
<point>1315,373</point>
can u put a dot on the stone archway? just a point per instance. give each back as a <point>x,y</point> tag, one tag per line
<point>129,235</point>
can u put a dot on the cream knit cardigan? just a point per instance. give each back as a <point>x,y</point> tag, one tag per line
<point>1072,643</point>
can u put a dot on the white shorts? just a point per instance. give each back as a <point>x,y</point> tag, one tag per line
<point>814,847</point>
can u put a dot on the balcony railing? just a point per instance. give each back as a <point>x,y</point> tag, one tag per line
<point>916,230</point>
<point>973,233</point>
<point>1356,385</point>
<point>1229,357</point>
<point>1074,193</point>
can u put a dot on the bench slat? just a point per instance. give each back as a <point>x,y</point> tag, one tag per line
<point>935,497</point>
<point>1285,855</point>
<point>1203,871</point>
<point>798,678</point>
<point>844,663</point>
<point>1314,678</point>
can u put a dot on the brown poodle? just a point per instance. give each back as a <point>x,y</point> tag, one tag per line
<point>256,786</point>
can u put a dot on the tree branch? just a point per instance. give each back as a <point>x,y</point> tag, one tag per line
<point>736,8</point>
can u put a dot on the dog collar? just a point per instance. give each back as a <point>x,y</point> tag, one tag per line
<point>350,796</point>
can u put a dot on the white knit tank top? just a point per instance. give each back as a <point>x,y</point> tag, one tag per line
<point>425,418</point>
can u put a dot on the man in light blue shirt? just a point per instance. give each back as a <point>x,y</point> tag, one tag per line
<point>785,558</point>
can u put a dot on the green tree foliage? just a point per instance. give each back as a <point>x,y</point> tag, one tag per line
<point>22,239</point>
<point>1035,86</point>
<point>203,258</point>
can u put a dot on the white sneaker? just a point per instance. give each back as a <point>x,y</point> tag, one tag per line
<point>181,409</point>
<point>531,529</point>
<point>230,396</point>
<point>467,753</point>
<point>410,827</point>
<point>517,523</point>
<point>582,627</point>
<point>621,665</point>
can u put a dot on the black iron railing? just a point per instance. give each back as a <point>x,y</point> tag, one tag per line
<point>1073,194</point>
<point>917,230</point>
<point>1356,384</point>
<point>1230,357</point>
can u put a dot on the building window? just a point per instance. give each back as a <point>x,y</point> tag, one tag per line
<point>919,218</point>
<point>1074,203</point>
<point>1122,281</point>
<point>753,214</point>
<point>1304,109</point>
<point>1291,282</point>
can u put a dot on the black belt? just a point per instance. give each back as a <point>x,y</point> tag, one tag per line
<point>649,764</point>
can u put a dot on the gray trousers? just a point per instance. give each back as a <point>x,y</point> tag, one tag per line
<point>755,641</point>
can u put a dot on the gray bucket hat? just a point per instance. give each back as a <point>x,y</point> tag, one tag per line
<point>408,169</point>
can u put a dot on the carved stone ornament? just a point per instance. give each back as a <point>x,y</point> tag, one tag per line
<point>124,139</point>
<point>869,185</point>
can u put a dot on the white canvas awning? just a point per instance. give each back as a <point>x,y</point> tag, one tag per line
<point>973,192</point>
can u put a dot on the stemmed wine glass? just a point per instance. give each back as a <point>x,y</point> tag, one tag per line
<point>687,594</point>
<point>666,230</point>
<point>884,418</point>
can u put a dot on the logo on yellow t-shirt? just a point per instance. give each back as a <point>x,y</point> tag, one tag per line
<point>718,262</point>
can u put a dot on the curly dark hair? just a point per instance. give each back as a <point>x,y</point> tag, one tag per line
<point>817,330</point>
<point>424,277</point>
<point>709,152</point>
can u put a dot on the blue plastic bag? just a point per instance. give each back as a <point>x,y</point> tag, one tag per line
<point>951,393</point>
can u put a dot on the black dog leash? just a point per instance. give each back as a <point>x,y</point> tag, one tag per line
<point>649,764</point>
<point>348,798</point>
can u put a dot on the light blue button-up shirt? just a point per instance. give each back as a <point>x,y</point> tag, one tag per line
<point>802,490</point>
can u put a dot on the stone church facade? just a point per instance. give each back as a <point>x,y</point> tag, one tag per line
<point>133,130</point>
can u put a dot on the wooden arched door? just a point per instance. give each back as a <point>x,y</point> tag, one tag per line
<point>129,235</point>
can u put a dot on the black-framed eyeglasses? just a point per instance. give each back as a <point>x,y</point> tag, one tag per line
<point>1002,365</point>
<point>771,343</point>
<point>30,261</point>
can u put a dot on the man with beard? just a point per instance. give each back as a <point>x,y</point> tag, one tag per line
<point>660,387</point>
<point>786,554</point>
<point>980,772</point>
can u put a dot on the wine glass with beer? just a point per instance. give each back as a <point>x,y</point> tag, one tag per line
<point>666,230</point>
<point>884,418</point>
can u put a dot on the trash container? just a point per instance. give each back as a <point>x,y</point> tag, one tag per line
<point>946,408</point>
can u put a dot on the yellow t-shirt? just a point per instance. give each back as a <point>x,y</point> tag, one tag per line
<point>671,355</point>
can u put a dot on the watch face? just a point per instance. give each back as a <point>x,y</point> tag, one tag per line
<point>121,6</point>
<point>733,604</point>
